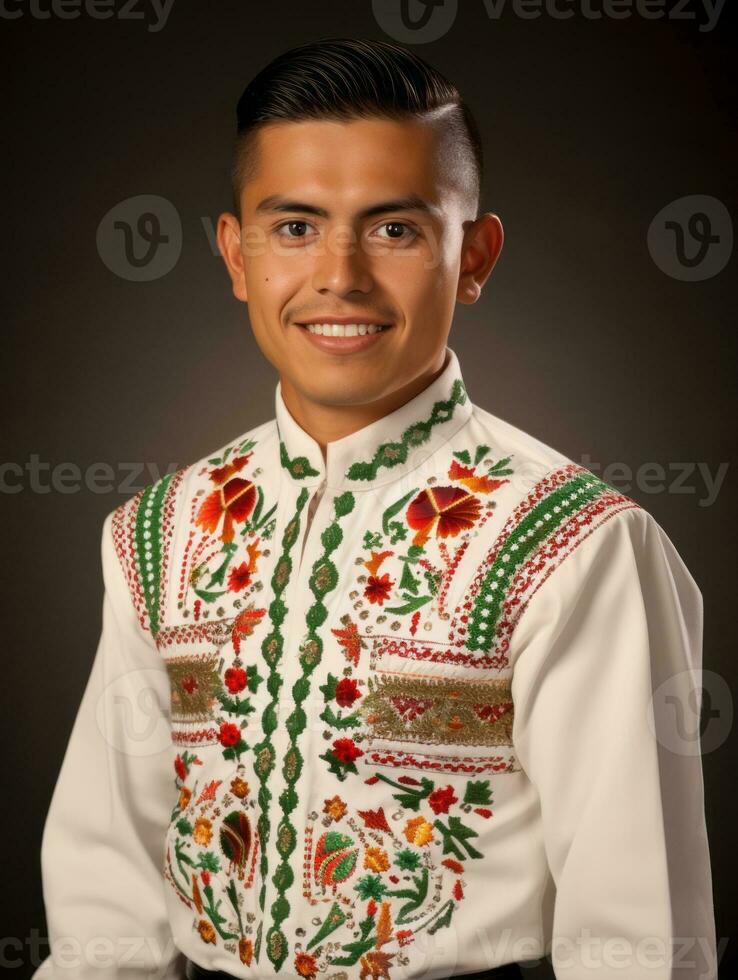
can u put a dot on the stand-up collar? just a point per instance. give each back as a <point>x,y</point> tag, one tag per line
<point>384,450</point>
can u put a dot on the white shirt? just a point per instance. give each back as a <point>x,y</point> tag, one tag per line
<point>407,711</point>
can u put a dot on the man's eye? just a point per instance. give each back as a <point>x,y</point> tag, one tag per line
<point>294,229</point>
<point>395,229</point>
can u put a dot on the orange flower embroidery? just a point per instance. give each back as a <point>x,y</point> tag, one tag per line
<point>375,859</point>
<point>207,933</point>
<point>446,510</point>
<point>335,808</point>
<point>306,965</point>
<point>202,832</point>
<point>245,950</point>
<point>418,831</point>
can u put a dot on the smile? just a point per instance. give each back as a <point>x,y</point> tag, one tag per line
<point>344,329</point>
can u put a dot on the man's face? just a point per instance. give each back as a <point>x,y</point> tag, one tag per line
<point>358,222</point>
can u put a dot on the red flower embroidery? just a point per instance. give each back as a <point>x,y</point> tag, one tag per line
<point>220,474</point>
<point>239,578</point>
<point>205,875</point>
<point>446,510</point>
<point>378,589</point>
<point>441,799</point>
<point>375,819</point>
<point>229,734</point>
<point>347,691</point>
<point>231,503</point>
<point>189,684</point>
<point>346,750</point>
<point>236,679</point>
<point>180,768</point>
<point>350,641</point>
<point>244,625</point>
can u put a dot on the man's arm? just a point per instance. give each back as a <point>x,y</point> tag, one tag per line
<point>618,769</point>
<point>104,837</point>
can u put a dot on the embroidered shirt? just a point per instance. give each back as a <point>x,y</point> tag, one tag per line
<point>385,714</point>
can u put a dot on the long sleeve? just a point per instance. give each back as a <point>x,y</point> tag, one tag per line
<point>607,690</point>
<point>104,836</point>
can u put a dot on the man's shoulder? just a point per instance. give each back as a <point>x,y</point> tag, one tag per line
<point>529,453</point>
<point>543,507</point>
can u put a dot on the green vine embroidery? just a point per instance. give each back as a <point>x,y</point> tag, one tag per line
<point>299,467</point>
<point>393,453</point>
<point>323,580</point>
<point>272,648</point>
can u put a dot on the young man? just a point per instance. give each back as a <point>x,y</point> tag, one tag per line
<point>374,696</point>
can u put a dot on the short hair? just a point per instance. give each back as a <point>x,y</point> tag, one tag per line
<point>349,78</point>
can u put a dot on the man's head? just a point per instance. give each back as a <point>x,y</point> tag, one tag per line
<point>356,179</point>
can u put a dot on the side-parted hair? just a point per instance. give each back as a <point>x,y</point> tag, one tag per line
<point>343,79</point>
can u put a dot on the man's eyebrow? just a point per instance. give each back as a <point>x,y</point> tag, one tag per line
<point>413,202</point>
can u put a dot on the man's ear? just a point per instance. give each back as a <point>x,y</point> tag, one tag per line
<point>483,241</point>
<point>229,243</point>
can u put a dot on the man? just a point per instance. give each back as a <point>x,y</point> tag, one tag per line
<point>374,692</point>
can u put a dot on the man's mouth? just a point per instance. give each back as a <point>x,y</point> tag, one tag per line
<point>344,329</point>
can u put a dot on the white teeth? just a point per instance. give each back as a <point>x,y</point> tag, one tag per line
<point>343,329</point>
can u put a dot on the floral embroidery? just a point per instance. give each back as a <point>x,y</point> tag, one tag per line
<point>399,879</point>
<point>420,724</point>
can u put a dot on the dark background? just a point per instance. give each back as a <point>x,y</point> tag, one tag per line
<point>591,127</point>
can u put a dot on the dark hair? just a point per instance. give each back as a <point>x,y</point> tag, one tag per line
<point>348,78</point>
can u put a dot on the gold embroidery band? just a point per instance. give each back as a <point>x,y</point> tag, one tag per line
<point>440,711</point>
<point>193,688</point>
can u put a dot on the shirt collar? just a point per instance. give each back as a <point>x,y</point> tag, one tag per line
<point>382,451</point>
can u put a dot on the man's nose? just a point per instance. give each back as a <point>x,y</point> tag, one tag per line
<point>341,265</point>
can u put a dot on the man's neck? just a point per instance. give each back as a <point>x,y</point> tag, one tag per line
<point>328,423</point>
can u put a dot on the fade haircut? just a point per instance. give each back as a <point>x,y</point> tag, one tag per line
<point>350,78</point>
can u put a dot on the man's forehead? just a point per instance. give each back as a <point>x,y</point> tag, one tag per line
<point>365,161</point>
